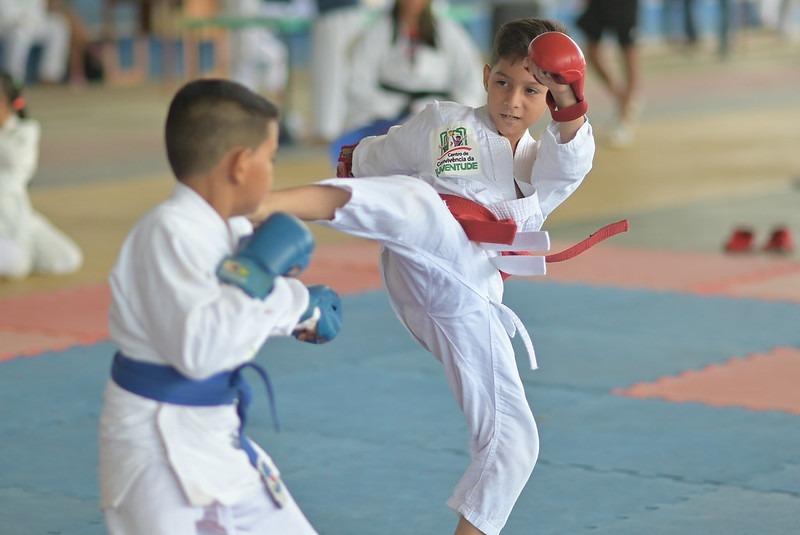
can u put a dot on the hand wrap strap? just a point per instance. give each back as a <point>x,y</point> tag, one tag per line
<point>570,113</point>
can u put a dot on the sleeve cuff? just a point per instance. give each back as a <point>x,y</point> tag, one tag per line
<point>289,299</point>
<point>553,134</point>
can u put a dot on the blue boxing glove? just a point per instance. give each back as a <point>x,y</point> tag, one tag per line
<point>322,320</point>
<point>280,246</point>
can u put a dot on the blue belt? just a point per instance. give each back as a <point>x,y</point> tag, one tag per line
<point>164,383</point>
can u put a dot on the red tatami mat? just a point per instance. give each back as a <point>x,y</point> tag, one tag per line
<point>353,266</point>
<point>759,382</point>
<point>50,321</point>
<point>18,344</point>
<point>756,276</point>
<point>347,267</point>
<point>80,313</point>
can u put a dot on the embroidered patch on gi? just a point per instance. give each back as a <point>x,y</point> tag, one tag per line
<point>454,154</point>
<point>272,480</point>
<point>234,271</point>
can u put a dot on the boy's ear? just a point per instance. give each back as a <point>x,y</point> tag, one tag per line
<point>487,70</point>
<point>238,162</point>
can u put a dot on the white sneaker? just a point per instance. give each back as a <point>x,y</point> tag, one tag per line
<point>635,108</point>
<point>620,136</point>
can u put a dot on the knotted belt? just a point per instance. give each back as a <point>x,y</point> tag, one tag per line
<point>481,225</point>
<point>164,383</point>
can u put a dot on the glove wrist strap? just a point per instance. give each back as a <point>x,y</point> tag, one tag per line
<point>570,113</point>
<point>344,167</point>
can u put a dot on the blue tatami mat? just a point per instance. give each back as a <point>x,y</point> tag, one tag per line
<point>372,442</point>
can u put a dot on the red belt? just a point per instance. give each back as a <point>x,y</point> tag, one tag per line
<point>481,225</point>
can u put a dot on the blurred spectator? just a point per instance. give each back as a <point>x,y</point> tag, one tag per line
<point>786,26</point>
<point>259,58</point>
<point>735,15</point>
<point>144,15</point>
<point>334,31</point>
<point>731,16</point>
<point>84,59</point>
<point>404,60</point>
<point>28,241</point>
<point>111,60</point>
<point>724,27</point>
<point>621,18</point>
<point>26,23</point>
<point>685,9</point>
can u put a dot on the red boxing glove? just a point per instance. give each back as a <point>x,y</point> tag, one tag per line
<point>344,167</point>
<point>557,54</point>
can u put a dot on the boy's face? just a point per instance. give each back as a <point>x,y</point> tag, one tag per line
<point>515,99</point>
<point>259,173</point>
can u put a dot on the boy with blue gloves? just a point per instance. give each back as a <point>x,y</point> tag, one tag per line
<point>195,294</point>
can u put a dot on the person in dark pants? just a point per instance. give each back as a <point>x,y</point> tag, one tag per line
<point>621,18</point>
<point>507,10</point>
<point>689,35</point>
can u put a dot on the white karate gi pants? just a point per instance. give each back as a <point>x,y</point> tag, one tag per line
<point>35,245</point>
<point>332,37</point>
<point>447,293</point>
<point>52,33</point>
<point>155,505</point>
<point>259,60</point>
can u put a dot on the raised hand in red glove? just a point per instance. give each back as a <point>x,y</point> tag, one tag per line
<point>558,63</point>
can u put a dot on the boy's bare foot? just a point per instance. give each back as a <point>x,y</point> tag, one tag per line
<point>465,528</point>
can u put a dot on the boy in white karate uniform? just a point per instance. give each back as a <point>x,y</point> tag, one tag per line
<point>29,242</point>
<point>444,287</point>
<point>25,23</point>
<point>192,304</point>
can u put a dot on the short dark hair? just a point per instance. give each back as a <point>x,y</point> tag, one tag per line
<point>209,117</point>
<point>512,39</point>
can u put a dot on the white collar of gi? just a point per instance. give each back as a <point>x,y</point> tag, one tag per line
<point>482,114</point>
<point>481,187</point>
<point>208,218</point>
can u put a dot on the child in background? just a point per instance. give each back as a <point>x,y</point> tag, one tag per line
<point>192,303</point>
<point>444,287</point>
<point>27,23</point>
<point>29,243</point>
<point>404,60</point>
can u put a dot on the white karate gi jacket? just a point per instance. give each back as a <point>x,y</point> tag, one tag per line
<point>33,242</point>
<point>19,155</point>
<point>169,308</point>
<point>454,67</point>
<point>458,150</point>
